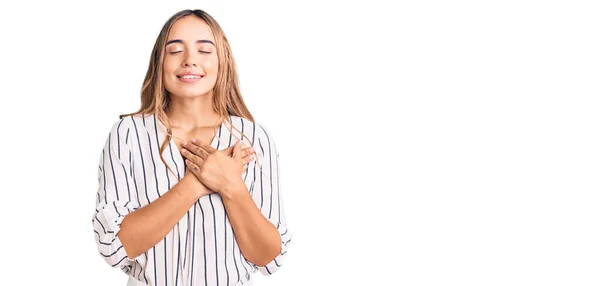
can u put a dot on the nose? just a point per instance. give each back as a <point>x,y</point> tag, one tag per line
<point>189,60</point>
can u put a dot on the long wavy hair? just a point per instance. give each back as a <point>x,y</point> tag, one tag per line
<point>227,99</point>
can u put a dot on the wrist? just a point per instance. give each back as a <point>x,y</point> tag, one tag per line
<point>233,190</point>
<point>193,186</point>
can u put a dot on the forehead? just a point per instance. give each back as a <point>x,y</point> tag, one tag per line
<point>190,28</point>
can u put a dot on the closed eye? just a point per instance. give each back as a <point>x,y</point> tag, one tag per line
<point>177,52</point>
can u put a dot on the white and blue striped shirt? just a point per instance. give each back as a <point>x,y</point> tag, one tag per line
<point>201,249</point>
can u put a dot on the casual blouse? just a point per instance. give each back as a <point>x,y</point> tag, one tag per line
<point>201,249</point>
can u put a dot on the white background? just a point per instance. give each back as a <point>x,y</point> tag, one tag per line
<point>425,143</point>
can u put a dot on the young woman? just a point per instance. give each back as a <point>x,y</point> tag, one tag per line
<point>189,189</point>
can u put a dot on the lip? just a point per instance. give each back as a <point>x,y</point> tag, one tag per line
<point>189,77</point>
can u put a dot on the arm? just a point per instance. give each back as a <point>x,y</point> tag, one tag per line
<point>258,219</point>
<point>145,227</point>
<point>123,230</point>
<point>256,236</point>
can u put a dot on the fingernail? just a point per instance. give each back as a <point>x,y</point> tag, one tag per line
<point>184,143</point>
<point>251,157</point>
<point>252,149</point>
<point>183,150</point>
<point>193,140</point>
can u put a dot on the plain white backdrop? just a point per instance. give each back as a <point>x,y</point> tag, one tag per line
<point>422,142</point>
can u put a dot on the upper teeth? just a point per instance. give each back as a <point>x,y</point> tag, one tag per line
<point>190,76</point>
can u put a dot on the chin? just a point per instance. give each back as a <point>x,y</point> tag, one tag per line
<point>190,94</point>
<point>189,91</point>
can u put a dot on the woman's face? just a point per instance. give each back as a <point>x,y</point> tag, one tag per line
<point>191,63</point>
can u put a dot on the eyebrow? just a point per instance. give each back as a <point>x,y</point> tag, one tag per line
<point>181,42</point>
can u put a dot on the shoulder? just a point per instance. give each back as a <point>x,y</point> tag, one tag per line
<point>132,121</point>
<point>120,126</point>
<point>126,124</point>
<point>257,133</point>
<point>243,124</point>
<point>264,134</point>
<point>253,129</point>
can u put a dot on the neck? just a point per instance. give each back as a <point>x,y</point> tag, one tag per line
<point>190,113</point>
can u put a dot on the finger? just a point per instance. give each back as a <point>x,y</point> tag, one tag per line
<point>247,151</point>
<point>192,166</point>
<point>191,156</point>
<point>248,158</point>
<point>237,150</point>
<point>209,149</point>
<point>247,155</point>
<point>195,149</point>
<point>228,151</point>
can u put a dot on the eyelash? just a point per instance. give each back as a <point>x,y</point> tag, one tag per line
<point>176,52</point>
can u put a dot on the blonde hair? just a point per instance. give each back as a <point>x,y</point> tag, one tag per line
<point>227,99</point>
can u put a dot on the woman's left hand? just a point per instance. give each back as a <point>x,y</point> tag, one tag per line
<point>216,170</point>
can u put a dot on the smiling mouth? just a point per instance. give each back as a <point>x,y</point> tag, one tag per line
<point>190,76</point>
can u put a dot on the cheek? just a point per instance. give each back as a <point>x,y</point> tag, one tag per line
<point>169,67</point>
<point>211,65</point>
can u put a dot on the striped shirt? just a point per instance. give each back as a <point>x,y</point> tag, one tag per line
<point>201,249</point>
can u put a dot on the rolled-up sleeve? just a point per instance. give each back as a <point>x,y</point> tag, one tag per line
<point>114,197</point>
<point>268,196</point>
